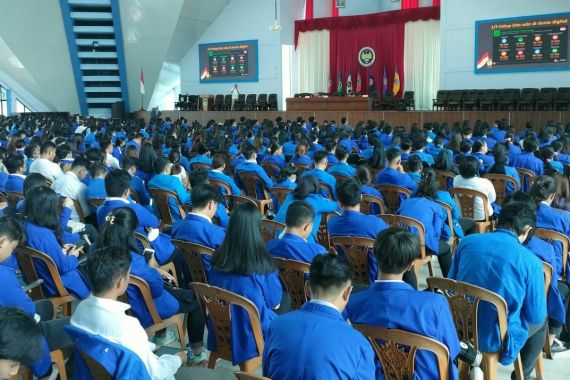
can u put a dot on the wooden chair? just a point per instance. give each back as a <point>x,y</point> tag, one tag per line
<point>466,199</point>
<point>464,300</point>
<point>340,177</point>
<point>200,165</point>
<point>539,369</point>
<point>56,356</point>
<point>237,199</point>
<point>392,195</point>
<point>396,350</point>
<point>248,376</point>
<point>271,229</point>
<point>157,322</point>
<point>445,178</point>
<point>323,231</point>
<point>135,196</point>
<point>453,239</point>
<point>161,198</point>
<point>301,168</point>
<point>222,185</point>
<point>293,274</point>
<point>98,202</point>
<point>217,302</point>
<point>500,182</point>
<point>356,250</point>
<point>527,176</point>
<point>551,236</point>
<point>27,258</point>
<point>271,168</point>
<point>327,188</point>
<point>79,210</point>
<point>281,193</point>
<point>368,201</point>
<point>95,368</point>
<point>249,181</point>
<point>192,254</point>
<point>145,244</point>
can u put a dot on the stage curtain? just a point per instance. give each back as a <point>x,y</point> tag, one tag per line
<point>313,61</point>
<point>370,20</point>
<point>436,3</point>
<point>409,4</point>
<point>388,43</point>
<point>421,61</point>
<point>309,9</point>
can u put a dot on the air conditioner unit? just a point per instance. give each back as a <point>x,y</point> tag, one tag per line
<point>340,3</point>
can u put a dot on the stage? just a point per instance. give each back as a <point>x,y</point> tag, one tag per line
<point>395,118</point>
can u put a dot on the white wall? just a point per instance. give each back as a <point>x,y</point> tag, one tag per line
<point>458,43</point>
<point>363,7</point>
<point>240,20</point>
<point>20,93</point>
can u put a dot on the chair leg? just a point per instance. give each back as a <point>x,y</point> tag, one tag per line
<point>539,368</point>
<point>490,365</point>
<point>213,360</point>
<point>57,358</point>
<point>547,347</point>
<point>463,370</point>
<point>251,365</point>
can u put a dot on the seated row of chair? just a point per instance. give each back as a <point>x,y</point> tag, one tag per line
<point>250,102</point>
<point>548,98</point>
<point>386,102</point>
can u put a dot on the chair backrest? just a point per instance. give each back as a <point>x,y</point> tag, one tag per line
<point>500,182</point>
<point>250,98</point>
<point>161,198</point>
<point>466,201</point>
<point>144,290</point>
<point>99,201</point>
<point>368,201</point>
<point>445,178</point>
<point>356,250</point>
<point>396,350</point>
<point>327,188</point>
<point>548,273</point>
<point>79,210</point>
<point>301,168</point>
<point>271,168</point>
<point>228,100</point>
<point>248,376</point>
<point>221,184</point>
<point>449,212</point>
<point>281,193</point>
<point>237,199</point>
<point>249,180</point>
<point>340,177</point>
<point>29,273</point>
<point>408,223</point>
<point>293,274</point>
<point>26,256</point>
<point>323,231</point>
<point>464,300</point>
<point>192,254</point>
<point>270,229</point>
<point>551,236</point>
<point>217,302</point>
<point>392,195</point>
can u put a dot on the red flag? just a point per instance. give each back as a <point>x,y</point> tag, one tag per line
<point>330,90</point>
<point>358,83</point>
<point>142,81</point>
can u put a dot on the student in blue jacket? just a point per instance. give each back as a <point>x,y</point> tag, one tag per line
<point>394,173</point>
<point>250,166</point>
<point>16,167</point>
<point>217,173</point>
<point>342,167</point>
<point>163,180</point>
<point>498,262</point>
<point>308,189</point>
<point>500,167</point>
<point>118,231</point>
<point>527,159</point>
<point>137,184</point>
<point>96,188</point>
<point>321,162</point>
<point>354,223</point>
<point>243,265</point>
<point>43,229</point>
<point>315,341</point>
<point>293,244</point>
<point>391,303</point>
<point>202,156</point>
<point>300,156</point>
<point>276,156</point>
<point>424,208</point>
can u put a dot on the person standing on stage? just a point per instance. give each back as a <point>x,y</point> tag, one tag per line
<point>235,94</point>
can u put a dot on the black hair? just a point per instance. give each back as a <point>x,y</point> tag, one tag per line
<point>306,186</point>
<point>392,154</point>
<point>94,155</point>
<point>106,266</point>
<point>465,146</point>
<point>414,163</point>
<point>319,156</point>
<point>204,193</point>
<point>468,167</point>
<point>395,249</point>
<point>515,216</point>
<point>378,158</point>
<point>501,158</point>
<point>478,145</point>
<point>34,180</point>
<point>329,273</point>
<point>341,153</point>
<point>198,177</point>
<point>218,161</point>
<point>429,185</point>
<point>348,192</point>
<point>444,161</point>
<point>129,162</point>
<point>80,162</point>
<point>11,229</point>
<point>248,150</point>
<point>97,169</point>
<point>243,250</point>
<point>530,144</point>
<point>519,196</point>
<point>47,147</point>
<point>542,188</point>
<point>363,175</point>
<point>14,162</point>
<point>20,336</point>
<point>119,229</point>
<point>62,151</point>
<point>289,170</point>
<point>298,214</point>
<point>160,164</point>
<point>146,156</point>
<point>41,207</point>
<point>117,182</point>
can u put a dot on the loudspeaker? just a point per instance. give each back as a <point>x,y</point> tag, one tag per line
<point>118,110</point>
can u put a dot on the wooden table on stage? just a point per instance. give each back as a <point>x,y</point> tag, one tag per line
<point>333,103</point>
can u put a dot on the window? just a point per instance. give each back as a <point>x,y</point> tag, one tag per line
<point>21,107</point>
<point>3,102</point>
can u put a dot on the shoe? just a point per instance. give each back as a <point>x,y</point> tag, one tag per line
<point>559,347</point>
<point>165,339</point>
<point>197,360</point>
<point>53,374</point>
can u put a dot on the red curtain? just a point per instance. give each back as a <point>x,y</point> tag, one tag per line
<point>436,3</point>
<point>409,4</point>
<point>309,10</point>
<point>356,22</point>
<point>334,11</point>
<point>387,41</point>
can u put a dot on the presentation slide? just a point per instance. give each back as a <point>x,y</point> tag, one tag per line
<point>228,62</point>
<point>522,44</point>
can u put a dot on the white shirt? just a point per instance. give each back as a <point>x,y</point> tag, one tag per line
<point>70,186</point>
<point>480,184</point>
<point>112,162</point>
<point>201,216</point>
<point>235,93</point>
<point>107,318</point>
<point>47,168</point>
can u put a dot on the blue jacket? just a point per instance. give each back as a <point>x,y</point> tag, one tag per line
<point>302,160</point>
<point>119,361</point>
<point>200,159</point>
<point>325,178</point>
<point>445,197</point>
<point>331,158</point>
<point>171,183</point>
<point>510,171</point>
<point>226,179</point>
<point>320,205</point>
<point>396,305</point>
<point>430,214</point>
<point>498,262</point>
<point>294,247</point>
<point>424,157</point>
<point>138,185</point>
<point>528,161</point>
<point>96,189</point>
<point>265,291</point>
<point>14,183</point>
<point>391,176</point>
<point>342,168</point>
<point>199,230</point>
<point>44,240</point>
<point>250,167</point>
<point>554,219</point>
<point>357,224</point>
<point>304,340</point>
<point>370,190</point>
<point>349,145</point>
<point>289,148</point>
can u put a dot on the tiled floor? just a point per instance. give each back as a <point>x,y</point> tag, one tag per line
<point>557,369</point>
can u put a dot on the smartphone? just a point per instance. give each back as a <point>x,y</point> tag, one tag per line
<point>148,254</point>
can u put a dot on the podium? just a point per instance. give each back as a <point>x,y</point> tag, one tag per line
<point>206,102</point>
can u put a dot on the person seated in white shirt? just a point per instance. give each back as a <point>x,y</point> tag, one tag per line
<point>45,165</point>
<point>467,178</point>
<point>107,148</point>
<point>101,314</point>
<point>70,186</point>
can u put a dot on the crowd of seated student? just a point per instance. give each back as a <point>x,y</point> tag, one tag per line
<point>108,160</point>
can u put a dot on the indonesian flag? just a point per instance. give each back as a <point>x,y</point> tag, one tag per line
<point>483,60</point>
<point>142,81</point>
